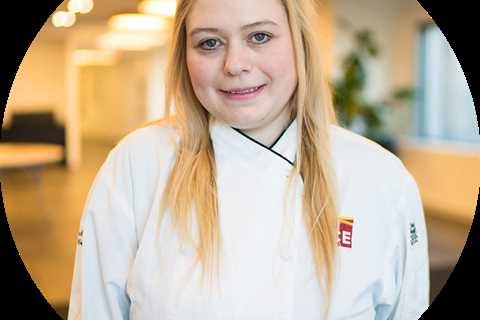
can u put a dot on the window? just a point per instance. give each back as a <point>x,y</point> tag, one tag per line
<point>445,109</point>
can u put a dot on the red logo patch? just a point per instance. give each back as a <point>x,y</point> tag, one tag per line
<point>345,232</point>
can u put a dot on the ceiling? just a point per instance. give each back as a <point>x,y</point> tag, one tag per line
<point>102,10</point>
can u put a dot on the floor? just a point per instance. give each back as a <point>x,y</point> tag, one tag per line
<point>44,206</point>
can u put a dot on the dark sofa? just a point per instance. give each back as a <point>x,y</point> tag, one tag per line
<point>34,127</point>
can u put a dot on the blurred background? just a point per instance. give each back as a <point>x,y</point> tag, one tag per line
<point>95,73</point>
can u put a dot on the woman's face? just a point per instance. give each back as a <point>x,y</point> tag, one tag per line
<point>241,61</point>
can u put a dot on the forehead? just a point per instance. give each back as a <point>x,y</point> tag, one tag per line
<point>232,14</point>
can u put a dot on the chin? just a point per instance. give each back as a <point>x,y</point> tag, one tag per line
<point>244,123</point>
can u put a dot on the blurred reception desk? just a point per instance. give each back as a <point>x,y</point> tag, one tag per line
<point>28,155</point>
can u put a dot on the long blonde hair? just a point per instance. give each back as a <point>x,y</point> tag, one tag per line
<point>192,183</point>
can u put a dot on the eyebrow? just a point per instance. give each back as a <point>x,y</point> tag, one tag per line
<point>247,26</point>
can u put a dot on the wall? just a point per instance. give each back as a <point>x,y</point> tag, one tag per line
<point>377,16</point>
<point>155,99</point>
<point>117,93</point>
<point>393,24</point>
<point>40,81</point>
<point>447,173</point>
<point>446,176</point>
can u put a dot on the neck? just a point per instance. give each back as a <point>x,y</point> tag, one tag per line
<point>269,134</point>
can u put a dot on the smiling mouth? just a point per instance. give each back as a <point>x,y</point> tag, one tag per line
<point>243,91</point>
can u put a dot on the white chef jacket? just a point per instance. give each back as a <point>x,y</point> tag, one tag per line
<point>129,265</point>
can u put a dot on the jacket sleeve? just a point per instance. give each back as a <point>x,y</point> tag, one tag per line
<point>409,263</point>
<point>106,244</point>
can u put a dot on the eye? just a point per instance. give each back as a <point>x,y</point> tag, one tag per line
<point>261,37</point>
<point>209,44</point>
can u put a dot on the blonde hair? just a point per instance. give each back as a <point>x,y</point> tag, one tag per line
<point>192,183</point>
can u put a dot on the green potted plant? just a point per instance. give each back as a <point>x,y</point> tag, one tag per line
<point>354,111</point>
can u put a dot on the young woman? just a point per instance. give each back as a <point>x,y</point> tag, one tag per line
<point>250,202</point>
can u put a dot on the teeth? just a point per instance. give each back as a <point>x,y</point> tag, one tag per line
<point>244,91</point>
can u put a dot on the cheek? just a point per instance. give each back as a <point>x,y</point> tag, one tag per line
<point>201,72</point>
<point>281,65</point>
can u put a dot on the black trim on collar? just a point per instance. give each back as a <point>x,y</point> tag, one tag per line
<point>281,134</point>
<point>274,143</point>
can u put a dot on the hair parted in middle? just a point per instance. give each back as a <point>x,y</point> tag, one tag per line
<point>192,184</point>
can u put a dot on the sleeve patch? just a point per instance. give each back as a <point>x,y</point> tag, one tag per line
<point>413,234</point>
<point>80,238</point>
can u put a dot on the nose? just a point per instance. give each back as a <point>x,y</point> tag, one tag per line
<point>236,60</point>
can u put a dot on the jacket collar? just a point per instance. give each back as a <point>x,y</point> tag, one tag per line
<point>231,143</point>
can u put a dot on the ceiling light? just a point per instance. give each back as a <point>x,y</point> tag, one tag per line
<point>164,8</point>
<point>80,6</point>
<point>137,22</point>
<point>63,19</point>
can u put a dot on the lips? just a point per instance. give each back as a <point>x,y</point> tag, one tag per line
<point>246,93</point>
<point>245,90</point>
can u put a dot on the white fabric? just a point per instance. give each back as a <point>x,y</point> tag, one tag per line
<point>128,266</point>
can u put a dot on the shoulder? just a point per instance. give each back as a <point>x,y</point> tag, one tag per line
<point>360,152</point>
<point>374,182</point>
<point>359,158</point>
<point>155,139</point>
<point>146,149</point>
<point>160,133</point>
